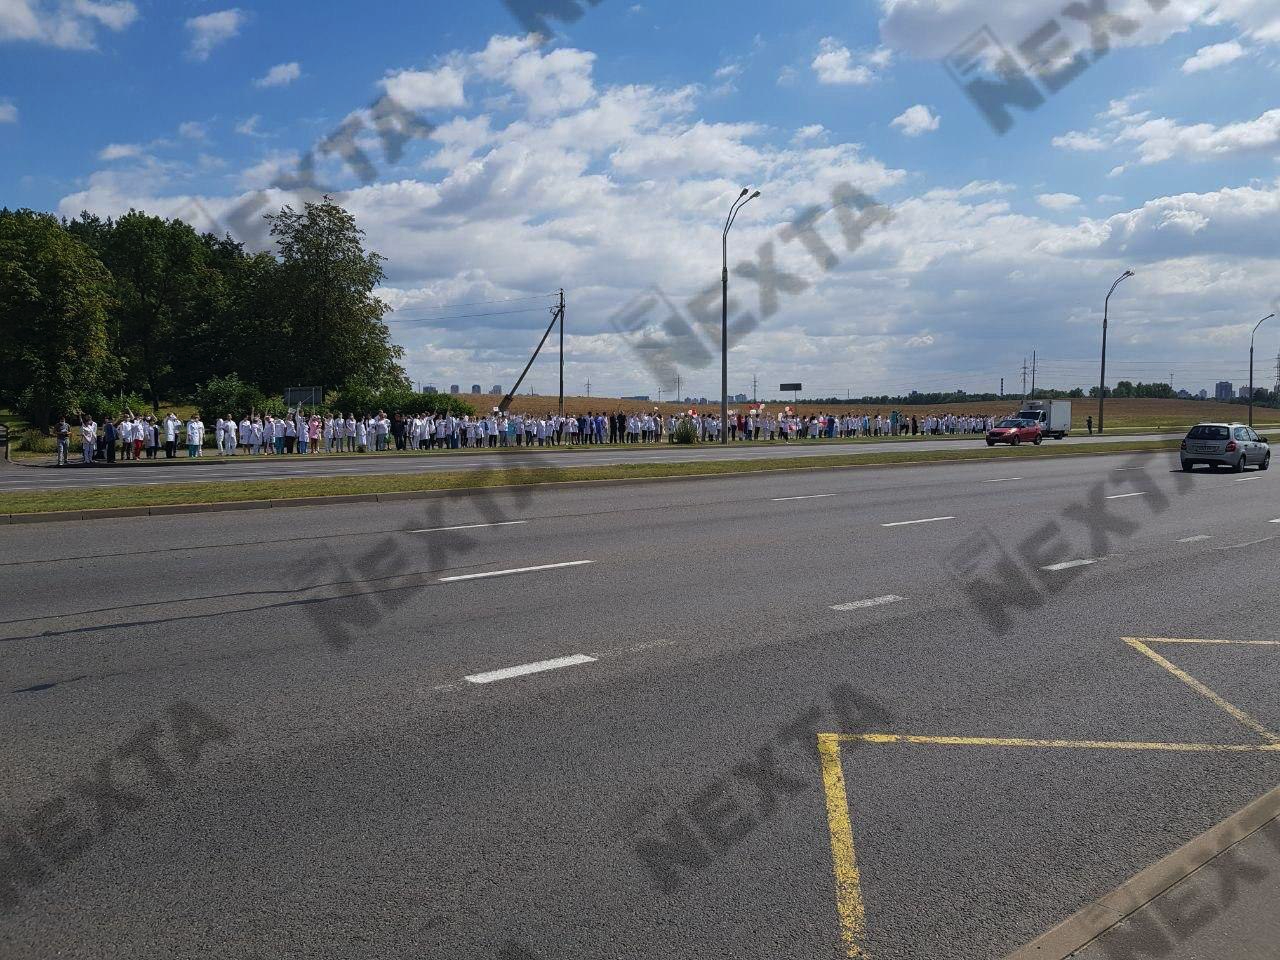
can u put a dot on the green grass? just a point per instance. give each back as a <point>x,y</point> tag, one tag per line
<point>96,498</point>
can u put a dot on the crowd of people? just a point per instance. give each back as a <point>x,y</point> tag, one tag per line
<point>299,432</point>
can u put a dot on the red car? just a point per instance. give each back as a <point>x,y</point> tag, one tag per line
<point>1014,432</point>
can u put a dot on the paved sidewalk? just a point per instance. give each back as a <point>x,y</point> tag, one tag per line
<point>1229,909</point>
<point>1216,898</point>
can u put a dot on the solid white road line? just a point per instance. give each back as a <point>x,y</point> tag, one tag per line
<point>493,676</point>
<point>471,526</point>
<point>1277,520</point>
<point>1195,539</point>
<point>812,496</point>
<point>1123,496</point>
<point>1069,564</point>
<point>861,604</point>
<point>1002,480</point>
<point>503,573</point>
<point>907,523</point>
<point>1250,543</point>
<point>1243,479</point>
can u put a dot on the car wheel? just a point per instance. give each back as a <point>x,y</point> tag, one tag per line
<point>1186,466</point>
<point>1038,441</point>
<point>1016,440</point>
<point>1238,466</point>
<point>1266,462</point>
<point>991,443</point>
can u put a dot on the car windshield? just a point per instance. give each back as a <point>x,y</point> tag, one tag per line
<point>1208,432</point>
<point>1012,423</point>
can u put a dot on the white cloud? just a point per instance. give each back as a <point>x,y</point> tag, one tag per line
<point>916,120</point>
<point>249,126</point>
<point>193,130</point>
<point>8,112</point>
<point>1057,201</point>
<point>426,89</point>
<point>1217,55</point>
<point>281,75</point>
<point>72,24</point>
<point>1079,141</point>
<point>836,64</point>
<point>63,23</point>
<point>1162,139</point>
<point>813,131</point>
<point>628,190</point>
<point>211,29</point>
<point>120,151</point>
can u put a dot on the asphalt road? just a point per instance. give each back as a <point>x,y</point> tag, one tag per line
<point>270,714</point>
<point>15,478</point>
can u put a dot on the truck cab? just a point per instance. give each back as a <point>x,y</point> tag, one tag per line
<point>1054,416</point>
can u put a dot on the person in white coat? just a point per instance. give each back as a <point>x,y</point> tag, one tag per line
<point>229,438</point>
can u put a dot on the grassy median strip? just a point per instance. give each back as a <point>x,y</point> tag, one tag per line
<point>239,491</point>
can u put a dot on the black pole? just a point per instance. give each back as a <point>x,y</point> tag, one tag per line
<point>1106,306</point>
<point>561,353</point>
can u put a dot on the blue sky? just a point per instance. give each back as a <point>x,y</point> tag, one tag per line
<point>602,159</point>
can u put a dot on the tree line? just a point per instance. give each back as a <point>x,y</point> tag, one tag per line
<point>149,309</point>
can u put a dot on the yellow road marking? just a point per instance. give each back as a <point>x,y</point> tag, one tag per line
<point>844,860</point>
<point>1225,643</point>
<point>1052,744</point>
<point>1204,691</point>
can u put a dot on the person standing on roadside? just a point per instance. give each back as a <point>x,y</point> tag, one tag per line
<point>171,425</point>
<point>64,441</point>
<point>1089,423</point>
<point>88,437</point>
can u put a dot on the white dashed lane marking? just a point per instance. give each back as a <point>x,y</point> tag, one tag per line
<point>1070,564</point>
<point>1195,539</point>
<point>907,523</point>
<point>507,673</point>
<point>812,496</point>
<point>862,604</point>
<point>1124,496</point>
<point>504,573</point>
<point>471,526</point>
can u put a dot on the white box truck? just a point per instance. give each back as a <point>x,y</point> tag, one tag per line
<point>1054,416</point>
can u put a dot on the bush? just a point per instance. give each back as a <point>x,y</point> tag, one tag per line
<point>34,441</point>
<point>360,399</point>
<point>228,395</point>
<point>102,407</point>
<point>684,432</point>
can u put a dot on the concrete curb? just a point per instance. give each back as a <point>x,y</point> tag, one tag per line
<point>1085,926</point>
<point>398,496</point>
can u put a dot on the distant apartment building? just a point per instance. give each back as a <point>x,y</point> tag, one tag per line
<point>475,388</point>
<point>1222,390</point>
<point>454,388</point>
<point>496,390</point>
<point>1204,394</point>
<point>430,390</point>
<point>1244,393</point>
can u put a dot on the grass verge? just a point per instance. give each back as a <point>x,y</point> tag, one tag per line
<point>97,498</point>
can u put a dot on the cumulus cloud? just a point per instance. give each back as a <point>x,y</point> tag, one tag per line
<point>120,151</point>
<point>1057,201</point>
<point>193,130</point>
<point>1079,141</point>
<point>836,64</point>
<point>211,29</point>
<point>622,188</point>
<point>8,112</point>
<point>426,89</point>
<point>72,24</point>
<point>916,120</point>
<point>281,75</point>
<point>1217,55</point>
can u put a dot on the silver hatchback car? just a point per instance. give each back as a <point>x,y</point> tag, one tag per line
<point>1231,445</point>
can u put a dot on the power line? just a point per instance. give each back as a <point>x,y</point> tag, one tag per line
<point>466,316</point>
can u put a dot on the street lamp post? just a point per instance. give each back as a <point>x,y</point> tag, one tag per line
<point>724,311</point>
<point>1106,306</point>
<point>1251,336</point>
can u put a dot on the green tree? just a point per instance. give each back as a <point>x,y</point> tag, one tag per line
<point>54,299</point>
<point>326,288</point>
